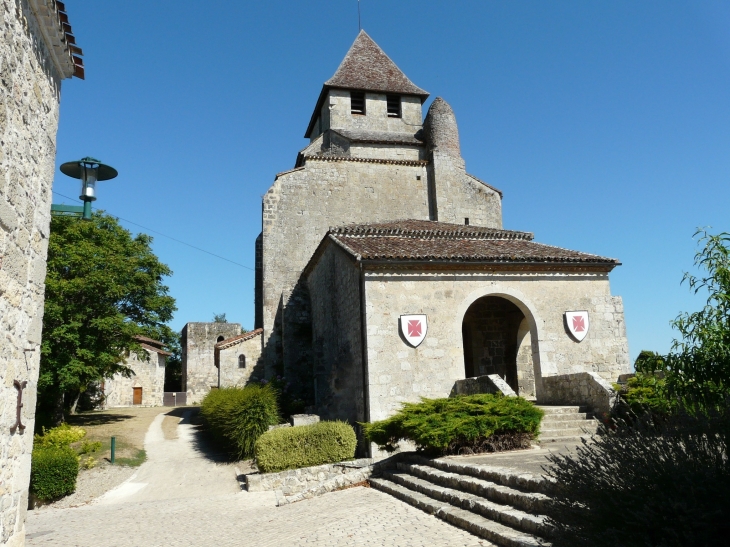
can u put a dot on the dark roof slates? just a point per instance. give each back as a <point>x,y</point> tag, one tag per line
<point>423,240</point>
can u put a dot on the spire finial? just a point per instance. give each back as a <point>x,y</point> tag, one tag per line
<point>359,26</point>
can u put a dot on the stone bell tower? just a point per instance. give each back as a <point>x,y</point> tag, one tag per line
<point>370,158</point>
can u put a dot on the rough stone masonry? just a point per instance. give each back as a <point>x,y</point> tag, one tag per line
<point>36,53</point>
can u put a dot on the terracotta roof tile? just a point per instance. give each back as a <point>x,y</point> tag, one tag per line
<point>223,344</point>
<point>367,67</point>
<point>422,240</point>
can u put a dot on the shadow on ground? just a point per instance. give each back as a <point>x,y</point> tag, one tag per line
<point>96,418</point>
<point>203,442</point>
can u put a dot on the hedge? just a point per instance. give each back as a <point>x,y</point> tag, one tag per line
<point>304,446</point>
<point>465,424</point>
<point>53,472</point>
<point>239,416</point>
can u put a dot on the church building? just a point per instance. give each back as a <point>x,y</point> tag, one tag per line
<point>384,273</point>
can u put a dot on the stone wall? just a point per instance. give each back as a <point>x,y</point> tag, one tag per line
<point>582,388</point>
<point>336,113</point>
<point>491,383</point>
<point>199,373</point>
<point>400,373</point>
<point>525,367</point>
<point>337,337</point>
<point>29,109</point>
<point>230,371</point>
<point>302,205</point>
<point>295,481</point>
<point>149,374</point>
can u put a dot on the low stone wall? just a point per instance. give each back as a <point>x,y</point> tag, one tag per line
<point>491,383</point>
<point>582,388</point>
<point>296,481</point>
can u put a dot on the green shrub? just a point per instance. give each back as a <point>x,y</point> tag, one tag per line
<point>650,485</point>
<point>53,472</point>
<point>304,446</point>
<point>474,423</point>
<point>239,416</point>
<point>646,393</point>
<point>63,435</point>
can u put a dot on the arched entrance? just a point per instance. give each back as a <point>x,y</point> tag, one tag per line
<point>497,340</point>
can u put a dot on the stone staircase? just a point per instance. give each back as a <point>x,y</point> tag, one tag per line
<point>503,506</point>
<point>566,423</point>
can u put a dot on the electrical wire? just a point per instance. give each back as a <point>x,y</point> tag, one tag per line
<point>165,235</point>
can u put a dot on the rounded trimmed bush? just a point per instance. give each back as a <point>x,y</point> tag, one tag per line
<point>238,416</point>
<point>53,472</point>
<point>305,446</point>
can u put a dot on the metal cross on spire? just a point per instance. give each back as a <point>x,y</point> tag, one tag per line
<point>359,26</point>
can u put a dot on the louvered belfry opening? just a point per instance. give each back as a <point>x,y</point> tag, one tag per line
<point>393,106</point>
<point>357,102</point>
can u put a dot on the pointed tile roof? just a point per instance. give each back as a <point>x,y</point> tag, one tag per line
<point>367,67</point>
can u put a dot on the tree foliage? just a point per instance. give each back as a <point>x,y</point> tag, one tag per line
<point>698,365</point>
<point>103,287</point>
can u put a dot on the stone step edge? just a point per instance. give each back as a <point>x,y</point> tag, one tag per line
<point>475,524</point>
<point>505,476</point>
<point>557,439</point>
<point>527,501</point>
<point>504,514</point>
<point>569,418</point>
<point>566,411</point>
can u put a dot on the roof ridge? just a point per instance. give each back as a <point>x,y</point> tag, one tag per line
<point>366,66</point>
<point>238,338</point>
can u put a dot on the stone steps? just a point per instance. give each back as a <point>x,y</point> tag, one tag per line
<point>566,423</point>
<point>500,505</point>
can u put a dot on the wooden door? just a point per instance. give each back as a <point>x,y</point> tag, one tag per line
<point>137,399</point>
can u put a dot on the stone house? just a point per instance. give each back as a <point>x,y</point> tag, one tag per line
<point>199,370</point>
<point>146,385</point>
<point>379,220</point>
<point>237,359</point>
<point>37,52</point>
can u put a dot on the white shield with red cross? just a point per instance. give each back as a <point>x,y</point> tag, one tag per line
<point>577,322</point>
<point>414,328</point>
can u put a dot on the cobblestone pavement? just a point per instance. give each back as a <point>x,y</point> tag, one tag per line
<point>180,497</point>
<point>357,516</point>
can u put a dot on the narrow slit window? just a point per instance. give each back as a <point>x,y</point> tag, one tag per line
<point>241,361</point>
<point>357,102</point>
<point>393,106</point>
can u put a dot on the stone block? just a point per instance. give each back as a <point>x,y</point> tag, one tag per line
<point>304,419</point>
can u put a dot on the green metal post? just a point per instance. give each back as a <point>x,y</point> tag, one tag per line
<point>114,440</point>
<point>87,216</point>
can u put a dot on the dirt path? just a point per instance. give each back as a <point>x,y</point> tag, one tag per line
<point>178,467</point>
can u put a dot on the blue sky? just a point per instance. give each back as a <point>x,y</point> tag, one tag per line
<point>606,124</point>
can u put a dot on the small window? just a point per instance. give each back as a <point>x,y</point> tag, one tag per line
<point>220,339</point>
<point>466,221</point>
<point>357,102</point>
<point>241,361</point>
<point>393,106</point>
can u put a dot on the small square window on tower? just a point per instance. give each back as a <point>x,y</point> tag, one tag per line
<point>393,106</point>
<point>357,102</point>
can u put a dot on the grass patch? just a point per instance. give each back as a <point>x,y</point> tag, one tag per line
<point>135,461</point>
<point>457,425</point>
